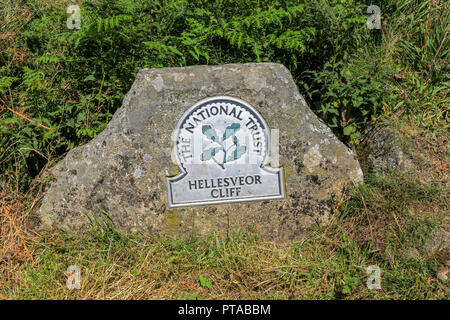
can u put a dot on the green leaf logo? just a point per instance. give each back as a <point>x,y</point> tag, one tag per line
<point>237,153</point>
<point>209,153</point>
<point>210,133</point>
<point>234,152</point>
<point>231,130</point>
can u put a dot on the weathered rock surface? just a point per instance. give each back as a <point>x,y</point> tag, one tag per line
<point>439,241</point>
<point>380,149</point>
<point>121,174</point>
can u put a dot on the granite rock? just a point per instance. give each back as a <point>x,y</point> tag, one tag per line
<point>121,175</point>
<point>381,149</point>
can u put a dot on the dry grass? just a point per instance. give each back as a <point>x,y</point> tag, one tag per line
<point>12,222</point>
<point>330,264</point>
<point>387,222</point>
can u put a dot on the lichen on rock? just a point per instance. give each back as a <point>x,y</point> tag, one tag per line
<point>121,174</point>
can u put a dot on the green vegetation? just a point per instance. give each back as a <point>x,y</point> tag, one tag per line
<point>376,227</point>
<point>60,87</point>
<point>72,81</point>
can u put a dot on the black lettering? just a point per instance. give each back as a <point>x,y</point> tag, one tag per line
<point>233,112</point>
<point>239,115</point>
<point>193,126</point>
<point>250,121</point>
<point>192,184</point>
<point>201,114</point>
<point>190,127</point>
<point>224,109</point>
<point>215,112</point>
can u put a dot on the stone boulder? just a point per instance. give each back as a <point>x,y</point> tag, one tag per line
<point>121,175</point>
<point>381,149</point>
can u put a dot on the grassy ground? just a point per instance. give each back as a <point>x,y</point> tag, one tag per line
<point>54,97</point>
<point>391,221</point>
